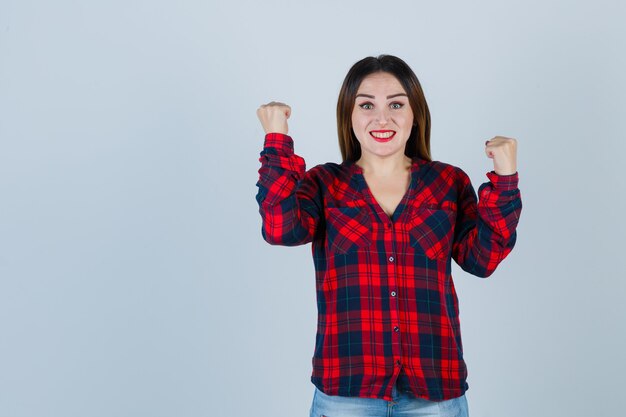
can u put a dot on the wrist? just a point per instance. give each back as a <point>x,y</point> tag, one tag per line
<point>504,173</point>
<point>505,169</point>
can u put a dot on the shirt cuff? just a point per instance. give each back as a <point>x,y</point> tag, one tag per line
<point>279,141</point>
<point>503,182</point>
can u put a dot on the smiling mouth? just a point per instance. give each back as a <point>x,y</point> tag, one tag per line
<point>382,135</point>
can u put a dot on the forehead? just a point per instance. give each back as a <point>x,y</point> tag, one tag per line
<point>383,82</point>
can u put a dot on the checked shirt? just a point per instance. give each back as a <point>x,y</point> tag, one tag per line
<point>387,308</point>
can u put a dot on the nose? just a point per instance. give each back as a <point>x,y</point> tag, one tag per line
<point>382,117</point>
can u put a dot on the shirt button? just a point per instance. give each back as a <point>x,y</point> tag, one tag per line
<point>391,259</point>
<point>393,293</point>
<point>396,329</point>
<point>398,362</point>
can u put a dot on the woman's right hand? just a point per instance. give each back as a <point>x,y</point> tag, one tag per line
<point>273,117</point>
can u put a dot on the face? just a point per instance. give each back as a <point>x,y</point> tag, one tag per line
<point>382,117</point>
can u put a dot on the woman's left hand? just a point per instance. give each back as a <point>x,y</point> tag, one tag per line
<point>503,151</point>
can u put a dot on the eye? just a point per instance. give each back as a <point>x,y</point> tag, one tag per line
<point>366,106</point>
<point>396,105</point>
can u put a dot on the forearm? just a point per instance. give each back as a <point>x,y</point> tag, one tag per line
<point>288,214</point>
<point>487,234</point>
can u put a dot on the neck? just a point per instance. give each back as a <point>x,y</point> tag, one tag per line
<point>383,167</point>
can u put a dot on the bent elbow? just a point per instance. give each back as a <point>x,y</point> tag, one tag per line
<point>485,273</point>
<point>479,271</point>
<point>283,239</point>
<point>269,238</point>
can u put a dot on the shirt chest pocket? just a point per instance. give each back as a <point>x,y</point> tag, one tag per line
<point>348,229</point>
<point>431,230</point>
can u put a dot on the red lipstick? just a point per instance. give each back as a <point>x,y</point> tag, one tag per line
<point>382,135</point>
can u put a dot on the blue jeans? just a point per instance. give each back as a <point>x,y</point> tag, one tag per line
<point>403,405</point>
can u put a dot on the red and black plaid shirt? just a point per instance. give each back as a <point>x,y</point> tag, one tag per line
<point>387,308</point>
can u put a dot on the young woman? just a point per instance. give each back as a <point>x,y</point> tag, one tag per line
<point>384,225</point>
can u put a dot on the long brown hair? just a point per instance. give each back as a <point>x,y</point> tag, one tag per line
<point>418,144</point>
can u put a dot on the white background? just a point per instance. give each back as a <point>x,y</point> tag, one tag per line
<point>133,277</point>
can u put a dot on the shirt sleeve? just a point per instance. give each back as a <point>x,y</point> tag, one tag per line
<point>485,230</point>
<point>289,200</point>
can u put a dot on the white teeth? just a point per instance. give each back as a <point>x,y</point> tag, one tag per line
<point>382,135</point>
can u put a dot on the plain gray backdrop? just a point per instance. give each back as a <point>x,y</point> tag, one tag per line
<point>133,277</point>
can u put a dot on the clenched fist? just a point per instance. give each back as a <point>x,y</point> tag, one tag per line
<point>503,151</point>
<point>273,117</point>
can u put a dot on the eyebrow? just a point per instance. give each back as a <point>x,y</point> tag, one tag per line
<point>388,97</point>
